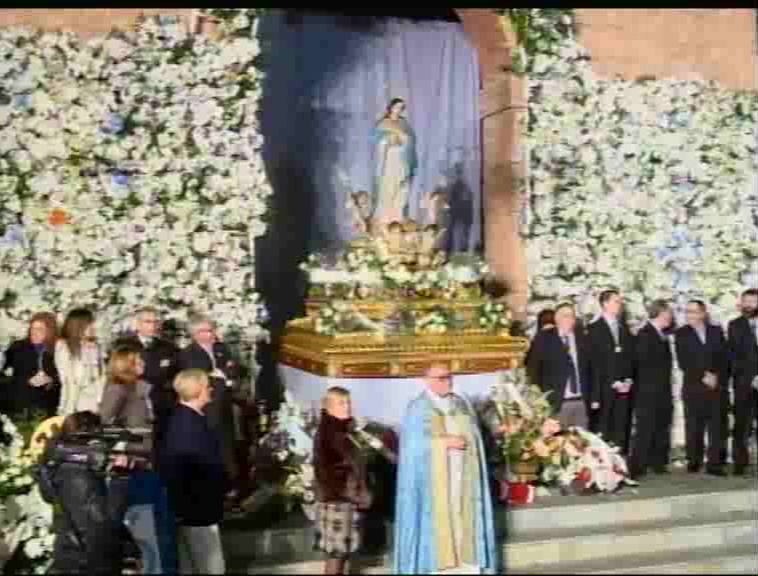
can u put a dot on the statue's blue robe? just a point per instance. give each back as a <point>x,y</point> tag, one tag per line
<point>414,542</point>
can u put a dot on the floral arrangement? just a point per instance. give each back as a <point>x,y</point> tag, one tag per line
<point>646,185</point>
<point>366,289</point>
<point>341,317</point>
<point>435,321</point>
<point>25,518</point>
<point>289,446</point>
<point>494,316</point>
<point>131,172</point>
<point>537,449</point>
<point>525,415</point>
<point>362,271</point>
<point>587,463</point>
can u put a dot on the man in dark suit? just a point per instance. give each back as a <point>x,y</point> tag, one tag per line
<point>653,402</point>
<point>743,346</point>
<point>213,357</point>
<point>557,362</point>
<point>611,348</point>
<point>193,469</point>
<point>702,356</point>
<point>160,358</point>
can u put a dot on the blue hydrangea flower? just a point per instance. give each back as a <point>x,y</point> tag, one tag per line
<point>681,281</point>
<point>14,236</point>
<point>114,124</point>
<point>21,100</point>
<point>119,179</point>
<point>662,253</point>
<point>679,235</point>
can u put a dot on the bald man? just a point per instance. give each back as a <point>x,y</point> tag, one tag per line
<point>443,521</point>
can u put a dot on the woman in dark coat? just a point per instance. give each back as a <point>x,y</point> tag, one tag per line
<point>34,385</point>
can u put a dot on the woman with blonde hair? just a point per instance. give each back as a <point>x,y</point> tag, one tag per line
<point>34,385</point>
<point>78,358</point>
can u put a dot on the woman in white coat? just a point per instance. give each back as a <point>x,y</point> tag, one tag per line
<point>79,361</point>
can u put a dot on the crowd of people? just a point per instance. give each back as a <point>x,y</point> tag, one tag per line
<point>601,377</point>
<point>184,398</point>
<point>604,377</point>
<point>52,373</point>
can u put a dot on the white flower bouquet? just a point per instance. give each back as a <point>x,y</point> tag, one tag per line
<point>131,173</point>
<point>435,321</point>
<point>25,518</point>
<point>494,316</point>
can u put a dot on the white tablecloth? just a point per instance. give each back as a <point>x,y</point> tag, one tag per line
<point>378,399</point>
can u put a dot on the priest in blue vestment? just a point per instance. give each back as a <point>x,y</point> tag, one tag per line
<point>444,520</point>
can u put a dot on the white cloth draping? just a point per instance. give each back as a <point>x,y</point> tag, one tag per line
<point>382,400</point>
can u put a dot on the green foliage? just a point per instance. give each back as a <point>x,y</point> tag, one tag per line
<point>29,423</point>
<point>537,31</point>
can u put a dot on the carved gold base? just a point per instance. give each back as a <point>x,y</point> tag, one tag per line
<point>368,355</point>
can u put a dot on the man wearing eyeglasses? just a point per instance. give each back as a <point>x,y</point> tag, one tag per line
<point>160,360</point>
<point>443,519</point>
<point>214,357</point>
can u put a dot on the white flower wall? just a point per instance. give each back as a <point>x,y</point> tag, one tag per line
<point>646,186</point>
<point>131,174</point>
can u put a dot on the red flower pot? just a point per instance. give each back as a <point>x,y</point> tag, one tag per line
<point>519,493</point>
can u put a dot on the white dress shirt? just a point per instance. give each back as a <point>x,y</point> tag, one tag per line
<point>570,340</point>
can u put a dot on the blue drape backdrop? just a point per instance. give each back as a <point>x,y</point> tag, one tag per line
<point>328,83</point>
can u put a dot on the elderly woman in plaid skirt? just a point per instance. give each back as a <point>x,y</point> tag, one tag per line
<point>341,487</point>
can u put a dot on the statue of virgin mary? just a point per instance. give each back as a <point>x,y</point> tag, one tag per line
<point>395,163</point>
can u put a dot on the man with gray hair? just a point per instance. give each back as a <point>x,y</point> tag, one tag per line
<point>208,354</point>
<point>558,362</point>
<point>653,401</point>
<point>160,359</point>
<point>443,511</point>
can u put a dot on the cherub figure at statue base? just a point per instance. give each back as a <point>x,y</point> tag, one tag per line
<point>409,244</point>
<point>362,221</point>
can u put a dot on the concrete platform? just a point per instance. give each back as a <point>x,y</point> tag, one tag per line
<point>679,523</point>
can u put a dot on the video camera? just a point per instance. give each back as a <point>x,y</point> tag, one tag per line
<point>97,449</point>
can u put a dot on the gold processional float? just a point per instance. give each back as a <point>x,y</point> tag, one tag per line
<point>388,304</point>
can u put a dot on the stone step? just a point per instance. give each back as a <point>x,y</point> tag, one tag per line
<point>563,547</point>
<point>740,559</point>
<point>730,560</point>
<point>600,517</point>
<point>608,510</point>
<point>581,551</point>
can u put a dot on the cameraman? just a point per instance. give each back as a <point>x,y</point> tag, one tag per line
<point>86,532</point>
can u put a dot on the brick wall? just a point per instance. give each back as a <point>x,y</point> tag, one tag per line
<point>711,43</point>
<point>86,22</point>
<point>715,44</point>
